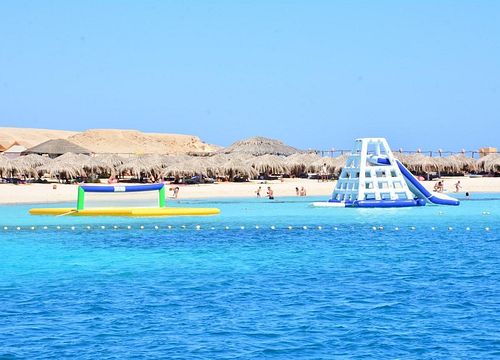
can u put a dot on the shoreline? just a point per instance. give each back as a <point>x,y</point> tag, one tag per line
<point>44,194</point>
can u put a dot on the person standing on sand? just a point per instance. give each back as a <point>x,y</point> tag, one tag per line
<point>302,191</point>
<point>258,192</point>
<point>458,186</point>
<point>324,173</point>
<point>270,193</point>
<point>297,192</point>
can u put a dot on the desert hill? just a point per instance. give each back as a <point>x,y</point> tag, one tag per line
<point>109,140</point>
<point>29,137</point>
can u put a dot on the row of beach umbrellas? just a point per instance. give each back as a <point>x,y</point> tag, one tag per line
<point>245,165</point>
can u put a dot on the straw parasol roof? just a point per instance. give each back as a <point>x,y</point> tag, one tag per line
<point>26,165</point>
<point>235,167</point>
<point>5,165</point>
<point>70,166</point>
<point>333,165</point>
<point>57,147</point>
<point>489,163</point>
<point>268,164</point>
<point>192,166</point>
<point>300,162</point>
<point>465,163</point>
<point>140,165</point>
<point>260,146</point>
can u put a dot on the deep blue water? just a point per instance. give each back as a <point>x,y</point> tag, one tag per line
<point>424,284</point>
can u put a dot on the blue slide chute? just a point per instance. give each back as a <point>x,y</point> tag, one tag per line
<point>122,188</point>
<point>421,192</point>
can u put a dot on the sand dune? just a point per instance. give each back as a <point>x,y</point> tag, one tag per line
<point>133,141</point>
<point>108,141</point>
<point>30,137</point>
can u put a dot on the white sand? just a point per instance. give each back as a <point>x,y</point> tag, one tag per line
<point>43,193</point>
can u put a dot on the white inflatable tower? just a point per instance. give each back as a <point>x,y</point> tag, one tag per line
<point>364,179</point>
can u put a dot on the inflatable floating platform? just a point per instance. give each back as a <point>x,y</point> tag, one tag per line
<point>161,210</point>
<point>119,211</point>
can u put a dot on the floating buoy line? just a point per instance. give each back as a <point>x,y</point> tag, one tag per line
<point>157,227</point>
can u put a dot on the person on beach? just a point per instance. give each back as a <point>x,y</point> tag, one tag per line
<point>297,192</point>
<point>324,173</point>
<point>176,192</point>
<point>258,192</point>
<point>302,191</point>
<point>458,186</point>
<point>270,193</point>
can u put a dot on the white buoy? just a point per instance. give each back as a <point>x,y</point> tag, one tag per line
<point>433,228</point>
<point>72,228</point>
<point>450,228</point>
<point>304,227</point>
<point>487,228</point>
<point>169,226</point>
<point>374,228</point>
<point>319,228</point>
<point>45,227</point>
<point>141,227</point>
<point>156,227</point>
<point>335,228</point>
<point>273,227</point>
<point>88,227</point>
<point>5,228</point>
<point>257,227</point>
<point>396,228</point>
<point>115,227</point>
<point>129,227</point>
<point>58,227</point>
<point>32,228</point>
<point>290,228</point>
<point>18,228</point>
<point>413,228</point>
<point>198,227</point>
<point>103,227</point>
<point>212,228</point>
<point>467,228</point>
<point>242,227</point>
<point>183,226</point>
<point>227,228</point>
<point>381,228</point>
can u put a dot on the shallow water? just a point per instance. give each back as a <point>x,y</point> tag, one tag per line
<point>356,283</point>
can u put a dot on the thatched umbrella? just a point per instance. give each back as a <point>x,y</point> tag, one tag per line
<point>56,147</point>
<point>258,145</point>
<point>190,167</point>
<point>26,165</point>
<point>422,164</point>
<point>5,166</point>
<point>110,160</point>
<point>140,165</point>
<point>61,168</point>
<point>301,162</point>
<point>268,164</point>
<point>489,163</point>
<point>333,165</point>
<point>234,168</point>
<point>464,163</point>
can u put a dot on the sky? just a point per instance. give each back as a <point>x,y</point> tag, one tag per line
<point>314,74</point>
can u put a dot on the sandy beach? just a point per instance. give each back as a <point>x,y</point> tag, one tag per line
<point>44,193</point>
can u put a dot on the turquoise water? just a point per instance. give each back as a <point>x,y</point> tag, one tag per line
<point>354,283</point>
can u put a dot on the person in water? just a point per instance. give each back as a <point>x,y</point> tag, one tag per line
<point>270,193</point>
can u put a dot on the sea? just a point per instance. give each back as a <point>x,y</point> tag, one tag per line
<point>265,279</point>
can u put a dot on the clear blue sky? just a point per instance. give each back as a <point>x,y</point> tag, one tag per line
<point>315,74</point>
